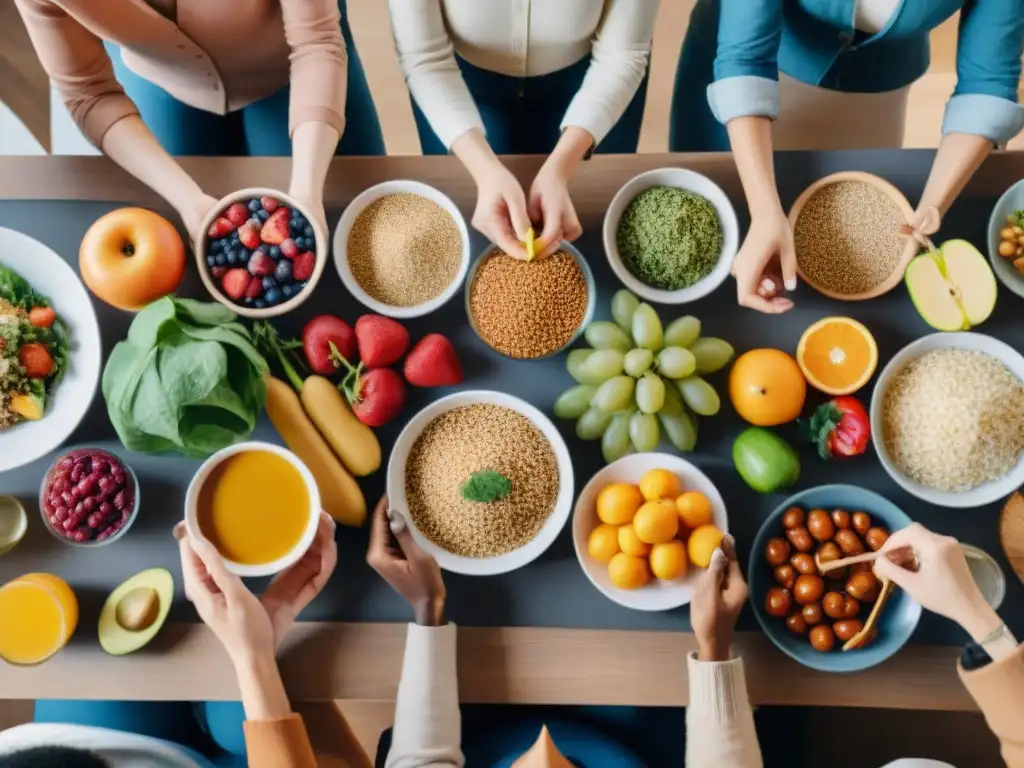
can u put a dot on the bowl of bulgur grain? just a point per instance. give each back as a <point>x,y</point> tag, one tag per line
<point>529,310</point>
<point>485,480</point>
<point>948,418</point>
<point>671,235</point>
<point>846,232</point>
<point>402,248</point>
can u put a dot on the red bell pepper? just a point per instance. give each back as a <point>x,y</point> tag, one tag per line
<point>840,428</point>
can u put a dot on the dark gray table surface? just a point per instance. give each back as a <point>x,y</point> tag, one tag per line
<point>552,591</point>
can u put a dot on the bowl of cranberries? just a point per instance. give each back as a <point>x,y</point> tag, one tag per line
<point>89,497</point>
<point>261,254</point>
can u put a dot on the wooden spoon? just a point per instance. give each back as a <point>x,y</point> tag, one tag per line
<point>903,557</point>
<point>861,638</point>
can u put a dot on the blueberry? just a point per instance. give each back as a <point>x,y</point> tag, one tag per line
<point>232,257</point>
<point>269,282</point>
<point>221,260</point>
<point>243,255</point>
<point>301,286</point>
<point>300,242</point>
<point>273,296</point>
<point>287,291</point>
<point>247,301</point>
<point>307,231</point>
<point>275,252</point>
<point>259,304</point>
<point>263,248</point>
<point>263,214</point>
<point>216,246</point>
<point>255,205</point>
<point>283,273</point>
<point>234,238</point>
<point>300,220</point>
<point>211,260</point>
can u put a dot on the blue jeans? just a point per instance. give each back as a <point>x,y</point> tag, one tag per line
<point>692,127</point>
<point>259,129</point>
<point>522,115</point>
<point>209,732</point>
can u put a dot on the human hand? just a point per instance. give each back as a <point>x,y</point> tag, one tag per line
<point>720,596</point>
<point>193,213</point>
<point>500,212</point>
<point>551,205</point>
<point>767,251</point>
<point>942,582</point>
<point>410,571</point>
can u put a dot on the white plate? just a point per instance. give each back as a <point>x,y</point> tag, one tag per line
<point>66,406</point>
<point>344,227</point>
<point>484,566</point>
<point>658,595</point>
<point>983,494</point>
<point>1011,201</point>
<point>682,179</point>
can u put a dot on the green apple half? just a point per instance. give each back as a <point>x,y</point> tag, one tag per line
<point>952,288</point>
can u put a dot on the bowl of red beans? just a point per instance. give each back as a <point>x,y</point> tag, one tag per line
<point>89,497</point>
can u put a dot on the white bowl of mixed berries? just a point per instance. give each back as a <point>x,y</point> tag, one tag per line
<point>262,255</point>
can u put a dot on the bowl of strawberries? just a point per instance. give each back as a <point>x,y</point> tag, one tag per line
<point>260,254</point>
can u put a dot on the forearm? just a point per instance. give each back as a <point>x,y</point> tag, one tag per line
<point>719,719</point>
<point>751,139</point>
<point>313,146</point>
<point>569,152</point>
<point>261,688</point>
<point>475,153</point>
<point>130,144</point>
<point>958,157</point>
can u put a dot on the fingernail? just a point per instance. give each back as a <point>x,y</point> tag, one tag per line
<point>790,283</point>
<point>396,521</point>
<point>178,532</point>
<point>718,558</point>
<point>729,539</point>
<point>334,524</point>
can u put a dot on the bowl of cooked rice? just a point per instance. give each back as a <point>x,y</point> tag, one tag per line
<point>948,419</point>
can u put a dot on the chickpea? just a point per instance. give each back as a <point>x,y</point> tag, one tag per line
<point>1007,248</point>
<point>1007,234</point>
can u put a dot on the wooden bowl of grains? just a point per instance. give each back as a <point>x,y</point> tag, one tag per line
<point>485,481</point>
<point>402,248</point>
<point>846,229</point>
<point>528,310</point>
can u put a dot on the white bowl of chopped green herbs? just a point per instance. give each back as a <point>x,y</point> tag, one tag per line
<point>671,235</point>
<point>1010,206</point>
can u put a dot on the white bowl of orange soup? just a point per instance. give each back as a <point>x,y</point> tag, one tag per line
<point>257,504</point>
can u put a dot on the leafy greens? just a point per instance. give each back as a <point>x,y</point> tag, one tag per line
<point>187,379</point>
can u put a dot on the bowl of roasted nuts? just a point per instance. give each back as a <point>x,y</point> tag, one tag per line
<point>832,620</point>
<point>1006,238</point>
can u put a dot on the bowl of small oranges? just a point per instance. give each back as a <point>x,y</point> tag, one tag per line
<point>644,528</point>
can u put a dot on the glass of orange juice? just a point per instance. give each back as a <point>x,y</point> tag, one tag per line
<point>38,615</point>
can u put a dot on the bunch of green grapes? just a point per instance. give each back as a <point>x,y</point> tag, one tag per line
<point>640,380</point>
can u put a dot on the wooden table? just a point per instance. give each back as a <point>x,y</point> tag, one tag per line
<point>361,661</point>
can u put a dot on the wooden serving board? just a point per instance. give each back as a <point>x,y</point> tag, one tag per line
<point>1011,532</point>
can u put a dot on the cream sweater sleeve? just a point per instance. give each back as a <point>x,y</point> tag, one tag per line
<point>427,57</point>
<point>427,732</point>
<point>619,57</point>
<point>719,721</point>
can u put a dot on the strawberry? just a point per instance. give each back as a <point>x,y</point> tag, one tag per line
<point>235,283</point>
<point>42,317</point>
<point>35,359</point>
<point>379,396</point>
<point>317,337</point>
<point>219,272</point>
<point>261,264</point>
<point>302,269</point>
<point>275,229</point>
<point>220,227</point>
<point>255,289</point>
<point>269,204</point>
<point>249,234</point>
<point>382,341</point>
<point>237,214</point>
<point>289,249</point>
<point>433,363</point>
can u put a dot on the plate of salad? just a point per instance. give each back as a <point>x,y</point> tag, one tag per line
<point>49,350</point>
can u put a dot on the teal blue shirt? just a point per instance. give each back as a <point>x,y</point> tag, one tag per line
<point>815,42</point>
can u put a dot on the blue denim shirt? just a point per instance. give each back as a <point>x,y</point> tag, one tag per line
<point>815,42</point>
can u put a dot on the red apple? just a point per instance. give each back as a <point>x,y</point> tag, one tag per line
<point>131,257</point>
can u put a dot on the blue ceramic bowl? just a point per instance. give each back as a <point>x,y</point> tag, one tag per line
<point>899,616</point>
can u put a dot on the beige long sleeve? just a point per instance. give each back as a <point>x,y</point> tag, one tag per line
<point>719,720</point>
<point>998,688</point>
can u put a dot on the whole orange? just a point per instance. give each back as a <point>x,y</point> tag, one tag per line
<point>766,387</point>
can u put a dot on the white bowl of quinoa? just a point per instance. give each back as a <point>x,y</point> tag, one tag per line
<point>402,248</point>
<point>947,415</point>
<point>671,235</point>
<point>485,481</point>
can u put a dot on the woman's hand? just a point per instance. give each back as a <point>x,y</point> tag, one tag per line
<point>192,213</point>
<point>721,594</point>
<point>942,582</point>
<point>767,253</point>
<point>401,562</point>
<point>551,207</point>
<point>500,213</point>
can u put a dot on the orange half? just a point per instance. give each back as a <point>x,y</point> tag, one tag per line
<point>837,355</point>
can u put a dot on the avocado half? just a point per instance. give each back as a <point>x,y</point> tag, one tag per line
<point>135,611</point>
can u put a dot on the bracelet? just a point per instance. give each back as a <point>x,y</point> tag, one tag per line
<point>999,643</point>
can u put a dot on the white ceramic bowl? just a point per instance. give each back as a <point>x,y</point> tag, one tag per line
<point>985,493</point>
<point>360,203</point>
<point>683,179</point>
<point>244,195</point>
<point>484,566</point>
<point>1011,201</point>
<point>658,595</point>
<point>51,276</point>
<point>263,569</point>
